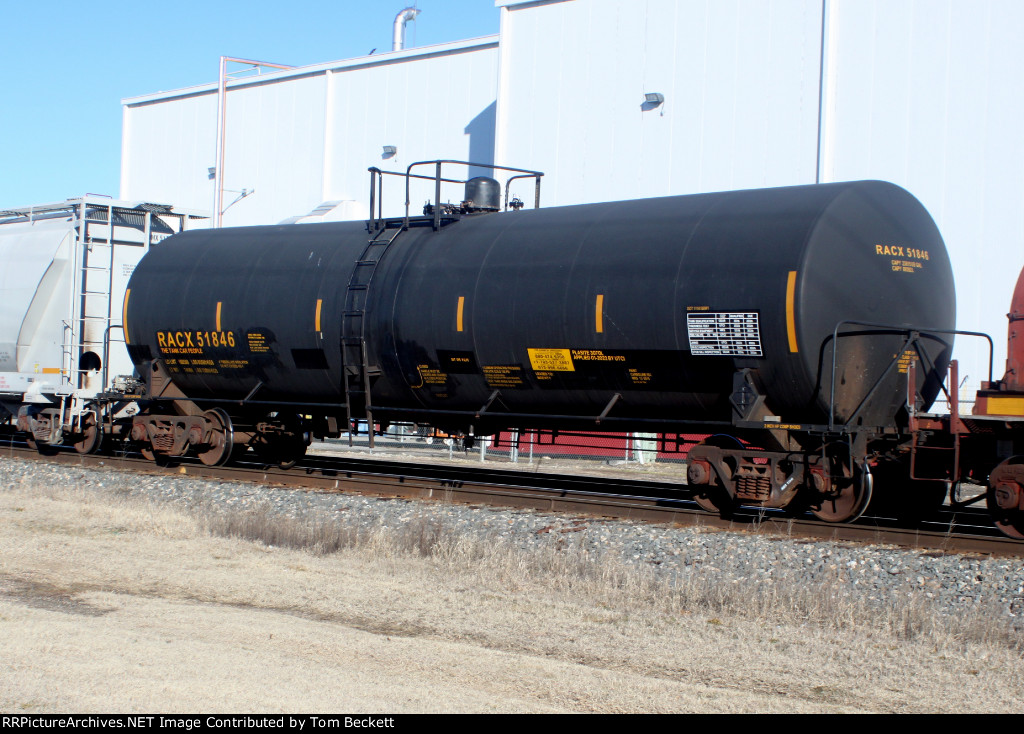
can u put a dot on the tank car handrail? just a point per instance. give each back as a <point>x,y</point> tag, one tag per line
<point>912,334</point>
<point>536,192</point>
<point>242,401</point>
<point>438,180</point>
<point>378,195</point>
<point>437,187</point>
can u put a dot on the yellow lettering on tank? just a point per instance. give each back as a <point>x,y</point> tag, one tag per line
<point>194,342</point>
<point>903,258</point>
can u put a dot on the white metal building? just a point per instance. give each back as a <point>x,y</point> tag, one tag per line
<point>924,93</point>
<point>298,138</point>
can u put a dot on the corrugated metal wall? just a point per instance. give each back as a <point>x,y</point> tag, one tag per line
<point>925,93</point>
<point>928,94</point>
<point>740,82</point>
<point>300,138</point>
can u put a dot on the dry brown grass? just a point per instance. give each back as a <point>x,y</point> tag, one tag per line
<point>108,603</point>
<point>607,579</point>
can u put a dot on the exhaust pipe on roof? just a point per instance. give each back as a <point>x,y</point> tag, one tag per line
<point>403,17</point>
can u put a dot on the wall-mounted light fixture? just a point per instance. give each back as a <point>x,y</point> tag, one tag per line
<point>652,100</point>
<point>389,151</point>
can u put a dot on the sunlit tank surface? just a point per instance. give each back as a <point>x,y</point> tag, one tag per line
<point>658,300</point>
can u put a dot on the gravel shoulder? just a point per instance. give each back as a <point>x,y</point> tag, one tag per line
<point>114,596</point>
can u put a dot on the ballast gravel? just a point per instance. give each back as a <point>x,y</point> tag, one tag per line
<point>875,573</point>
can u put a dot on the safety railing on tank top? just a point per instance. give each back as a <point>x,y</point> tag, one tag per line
<point>377,220</point>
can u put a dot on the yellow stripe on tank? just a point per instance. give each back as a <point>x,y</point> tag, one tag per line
<point>218,315</point>
<point>124,315</point>
<point>599,314</point>
<point>791,311</point>
<point>319,305</point>
<point>458,316</point>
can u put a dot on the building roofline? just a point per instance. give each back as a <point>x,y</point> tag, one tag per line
<point>516,3</point>
<point>391,57</point>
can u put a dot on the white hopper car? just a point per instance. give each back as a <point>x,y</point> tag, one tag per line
<point>65,267</point>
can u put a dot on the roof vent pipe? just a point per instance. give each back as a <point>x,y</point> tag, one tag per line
<point>403,17</point>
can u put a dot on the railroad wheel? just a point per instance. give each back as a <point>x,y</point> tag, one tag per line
<point>222,438</point>
<point>43,449</point>
<point>92,434</point>
<point>715,500</point>
<point>712,497</point>
<point>846,499</point>
<point>1004,497</point>
<point>1010,524</point>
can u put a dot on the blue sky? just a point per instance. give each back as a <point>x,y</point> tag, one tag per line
<point>65,67</point>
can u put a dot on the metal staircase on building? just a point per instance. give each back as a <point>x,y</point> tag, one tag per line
<point>356,370</point>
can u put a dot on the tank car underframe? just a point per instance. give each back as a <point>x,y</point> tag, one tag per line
<point>767,465</point>
<point>171,424</point>
<point>762,464</point>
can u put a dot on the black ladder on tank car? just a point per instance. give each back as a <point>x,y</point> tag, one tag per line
<point>355,369</point>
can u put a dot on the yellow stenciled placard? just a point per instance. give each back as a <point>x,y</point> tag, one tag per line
<point>551,360</point>
<point>906,359</point>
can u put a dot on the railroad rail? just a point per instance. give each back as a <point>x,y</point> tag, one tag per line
<point>960,532</point>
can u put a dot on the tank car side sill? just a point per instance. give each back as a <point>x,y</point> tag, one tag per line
<point>472,414</point>
<point>240,401</point>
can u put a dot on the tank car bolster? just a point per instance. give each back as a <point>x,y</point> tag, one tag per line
<point>749,476</point>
